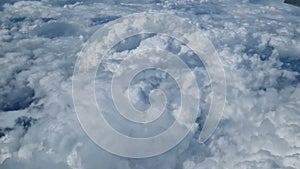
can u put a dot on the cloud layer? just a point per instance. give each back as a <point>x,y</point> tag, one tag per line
<point>258,41</point>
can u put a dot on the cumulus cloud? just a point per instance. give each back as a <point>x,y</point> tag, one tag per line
<point>258,41</point>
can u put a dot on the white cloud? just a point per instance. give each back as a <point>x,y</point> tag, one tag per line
<point>257,40</point>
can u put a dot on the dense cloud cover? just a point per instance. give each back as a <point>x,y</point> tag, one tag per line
<point>258,41</point>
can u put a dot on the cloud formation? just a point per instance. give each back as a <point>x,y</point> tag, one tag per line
<point>258,41</point>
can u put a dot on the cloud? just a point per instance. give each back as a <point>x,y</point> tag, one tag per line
<point>257,40</point>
